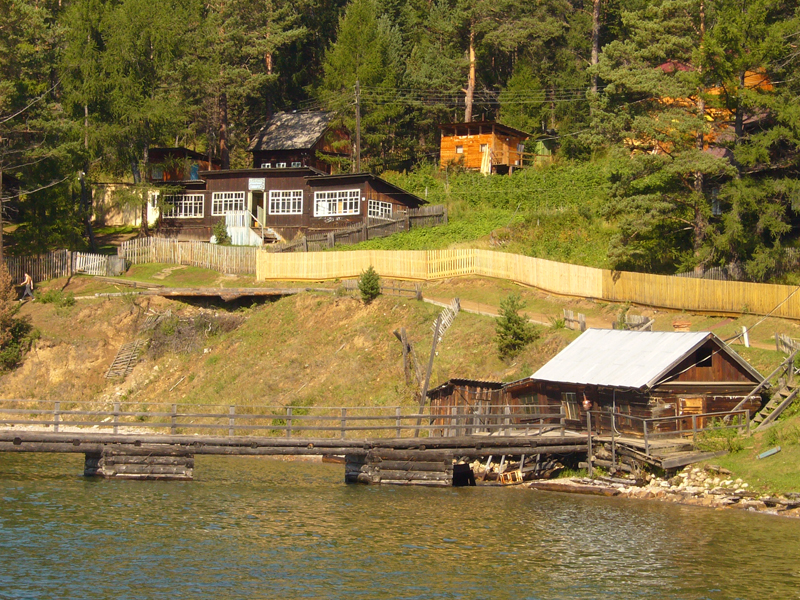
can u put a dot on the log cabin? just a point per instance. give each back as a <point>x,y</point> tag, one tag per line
<point>483,146</point>
<point>278,204</point>
<point>299,139</point>
<point>646,375</point>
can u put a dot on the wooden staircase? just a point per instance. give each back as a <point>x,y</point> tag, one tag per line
<point>787,389</point>
<point>780,401</point>
<point>126,359</point>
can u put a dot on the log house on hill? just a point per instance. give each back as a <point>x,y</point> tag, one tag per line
<point>642,374</point>
<point>286,202</point>
<point>483,146</point>
<point>298,139</point>
<point>289,190</point>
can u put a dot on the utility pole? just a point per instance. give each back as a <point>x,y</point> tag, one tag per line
<point>358,128</point>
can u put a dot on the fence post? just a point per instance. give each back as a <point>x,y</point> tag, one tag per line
<point>397,420</point>
<point>56,415</point>
<point>589,457</point>
<point>289,422</point>
<point>116,418</point>
<point>694,430</point>
<point>746,416</point>
<point>344,422</point>
<point>507,420</point>
<point>563,412</point>
<point>174,419</point>
<point>646,441</point>
<point>231,420</point>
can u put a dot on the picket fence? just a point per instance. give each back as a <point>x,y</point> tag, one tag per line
<point>63,263</point>
<point>234,260</point>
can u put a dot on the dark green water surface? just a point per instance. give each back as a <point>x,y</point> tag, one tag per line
<point>255,528</point>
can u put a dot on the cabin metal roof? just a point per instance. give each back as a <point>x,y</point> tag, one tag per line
<point>291,131</point>
<point>628,359</point>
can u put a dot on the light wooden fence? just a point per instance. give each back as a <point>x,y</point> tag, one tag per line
<point>225,259</point>
<point>702,295</point>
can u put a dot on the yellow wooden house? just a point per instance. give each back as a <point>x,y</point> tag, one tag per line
<point>483,146</point>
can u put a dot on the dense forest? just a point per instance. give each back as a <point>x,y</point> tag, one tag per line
<point>691,105</point>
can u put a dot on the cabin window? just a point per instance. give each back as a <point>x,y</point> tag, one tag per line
<point>379,210</point>
<point>703,357</point>
<point>183,206</point>
<point>266,165</point>
<point>340,202</point>
<point>484,148</point>
<point>297,164</point>
<point>222,202</point>
<point>280,165</point>
<point>520,148</point>
<point>569,403</point>
<point>459,149</point>
<point>286,202</point>
<point>157,173</point>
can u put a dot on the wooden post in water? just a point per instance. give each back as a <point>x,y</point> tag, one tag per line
<point>589,456</point>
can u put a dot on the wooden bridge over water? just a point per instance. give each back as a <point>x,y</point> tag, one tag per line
<point>380,444</point>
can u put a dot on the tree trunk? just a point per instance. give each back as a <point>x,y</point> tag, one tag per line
<point>595,41</point>
<point>86,210</point>
<point>471,79</point>
<point>145,228</point>
<point>223,131</point>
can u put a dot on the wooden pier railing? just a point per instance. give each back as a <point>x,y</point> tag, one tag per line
<point>272,421</point>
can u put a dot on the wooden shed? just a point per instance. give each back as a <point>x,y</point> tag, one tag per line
<point>298,139</point>
<point>483,146</point>
<point>641,375</point>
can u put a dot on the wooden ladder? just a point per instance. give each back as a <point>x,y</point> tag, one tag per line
<point>126,359</point>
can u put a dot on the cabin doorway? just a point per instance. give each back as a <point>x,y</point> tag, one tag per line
<point>688,407</point>
<point>257,207</point>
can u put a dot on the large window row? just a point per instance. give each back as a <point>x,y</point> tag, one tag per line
<point>183,206</point>
<point>340,202</point>
<point>286,202</point>
<point>222,202</point>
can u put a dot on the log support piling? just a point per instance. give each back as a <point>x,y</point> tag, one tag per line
<point>124,464</point>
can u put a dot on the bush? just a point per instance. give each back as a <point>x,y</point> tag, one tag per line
<point>513,331</point>
<point>720,437</point>
<point>220,232</point>
<point>57,297</point>
<point>369,284</point>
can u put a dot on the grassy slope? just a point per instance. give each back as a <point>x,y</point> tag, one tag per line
<point>547,212</point>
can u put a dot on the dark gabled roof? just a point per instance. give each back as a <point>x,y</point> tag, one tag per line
<point>364,177</point>
<point>494,385</point>
<point>291,131</point>
<point>266,172</point>
<point>500,128</point>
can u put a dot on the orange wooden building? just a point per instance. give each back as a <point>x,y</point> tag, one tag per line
<point>482,145</point>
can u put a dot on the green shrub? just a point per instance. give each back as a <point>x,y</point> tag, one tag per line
<point>513,331</point>
<point>719,438</point>
<point>58,298</point>
<point>220,231</point>
<point>369,284</point>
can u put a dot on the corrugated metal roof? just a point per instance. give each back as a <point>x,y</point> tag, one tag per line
<point>291,131</point>
<point>630,359</point>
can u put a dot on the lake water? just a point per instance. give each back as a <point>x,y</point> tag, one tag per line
<point>258,528</point>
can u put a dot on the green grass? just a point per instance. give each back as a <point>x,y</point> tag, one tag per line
<point>774,474</point>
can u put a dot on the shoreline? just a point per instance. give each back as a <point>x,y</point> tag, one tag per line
<point>710,487</point>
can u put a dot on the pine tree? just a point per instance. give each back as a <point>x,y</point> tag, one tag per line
<point>512,331</point>
<point>369,284</point>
